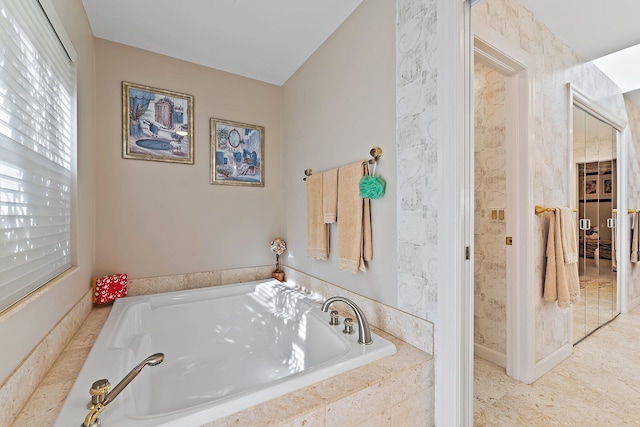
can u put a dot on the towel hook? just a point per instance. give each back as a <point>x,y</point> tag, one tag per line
<point>307,172</point>
<point>375,152</point>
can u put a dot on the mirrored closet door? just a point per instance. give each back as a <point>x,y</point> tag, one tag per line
<point>594,154</point>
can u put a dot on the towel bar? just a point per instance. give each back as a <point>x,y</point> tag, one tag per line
<point>541,209</point>
<point>375,152</point>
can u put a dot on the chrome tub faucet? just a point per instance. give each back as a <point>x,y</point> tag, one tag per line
<point>364,331</point>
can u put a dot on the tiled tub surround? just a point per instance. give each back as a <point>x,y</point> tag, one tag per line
<point>21,383</point>
<point>397,390</point>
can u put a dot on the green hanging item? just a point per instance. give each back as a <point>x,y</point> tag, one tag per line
<point>371,186</point>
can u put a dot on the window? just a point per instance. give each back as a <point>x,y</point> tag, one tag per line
<point>37,102</point>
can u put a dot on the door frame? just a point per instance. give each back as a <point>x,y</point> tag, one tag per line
<point>517,68</point>
<point>453,333</point>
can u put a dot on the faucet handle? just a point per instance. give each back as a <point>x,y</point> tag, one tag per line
<point>99,390</point>
<point>334,318</point>
<point>348,326</point>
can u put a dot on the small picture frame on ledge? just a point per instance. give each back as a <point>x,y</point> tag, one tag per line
<point>157,124</point>
<point>237,153</point>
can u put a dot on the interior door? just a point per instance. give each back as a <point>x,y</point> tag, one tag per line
<point>594,152</point>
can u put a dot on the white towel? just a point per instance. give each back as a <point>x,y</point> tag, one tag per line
<point>635,242</point>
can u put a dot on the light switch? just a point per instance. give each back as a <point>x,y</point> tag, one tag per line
<point>494,214</point>
<point>501,214</point>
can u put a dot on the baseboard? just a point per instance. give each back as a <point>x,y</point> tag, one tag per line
<point>492,356</point>
<point>551,361</point>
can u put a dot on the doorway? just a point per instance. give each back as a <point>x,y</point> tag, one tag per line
<point>490,213</point>
<point>502,226</point>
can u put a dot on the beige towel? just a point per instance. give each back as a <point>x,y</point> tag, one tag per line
<point>330,195</point>
<point>317,230</point>
<point>569,237</point>
<point>354,220</point>
<point>561,279</point>
<point>635,242</point>
<point>567,249</point>
<point>550,292</point>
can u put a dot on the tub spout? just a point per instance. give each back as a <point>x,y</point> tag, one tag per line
<point>364,331</point>
<point>101,396</point>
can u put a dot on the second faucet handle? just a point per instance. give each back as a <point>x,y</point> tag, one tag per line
<point>348,326</point>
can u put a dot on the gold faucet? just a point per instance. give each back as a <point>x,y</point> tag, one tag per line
<point>101,396</point>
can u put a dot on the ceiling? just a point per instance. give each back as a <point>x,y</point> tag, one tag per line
<point>606,32</point>
<point>265,40</point>
<point>269,40</point>
<point>592,28</point>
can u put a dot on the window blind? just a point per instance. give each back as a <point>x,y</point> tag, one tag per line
<point>37,98</point>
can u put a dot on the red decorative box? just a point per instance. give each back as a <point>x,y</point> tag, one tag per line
<point>107,288</point>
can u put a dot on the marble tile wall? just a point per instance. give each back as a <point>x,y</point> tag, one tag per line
<point>179,282</point>
<point>490,267</point>
<point>554,65</point>
<point>416,139</point>
<point>632,134</point>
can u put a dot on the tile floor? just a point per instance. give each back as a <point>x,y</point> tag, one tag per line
<point>599,385</point>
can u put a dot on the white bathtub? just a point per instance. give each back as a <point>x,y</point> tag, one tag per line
<point>226,348</point>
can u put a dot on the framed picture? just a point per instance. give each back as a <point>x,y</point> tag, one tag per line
<point>589,187</point>
<point>157,124</point>
<point>607,186</point>
<point>237,153</point>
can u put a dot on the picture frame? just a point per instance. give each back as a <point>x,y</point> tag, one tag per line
<point>607,186</point>
<point>157,124</point>
<point>237,153</point>
<point>590,188</point>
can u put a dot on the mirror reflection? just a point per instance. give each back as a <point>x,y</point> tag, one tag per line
<point>594,153</point>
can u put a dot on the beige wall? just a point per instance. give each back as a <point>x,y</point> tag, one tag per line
<point>156,218</point>
<point>23,326</point>
<point>336,107</point>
